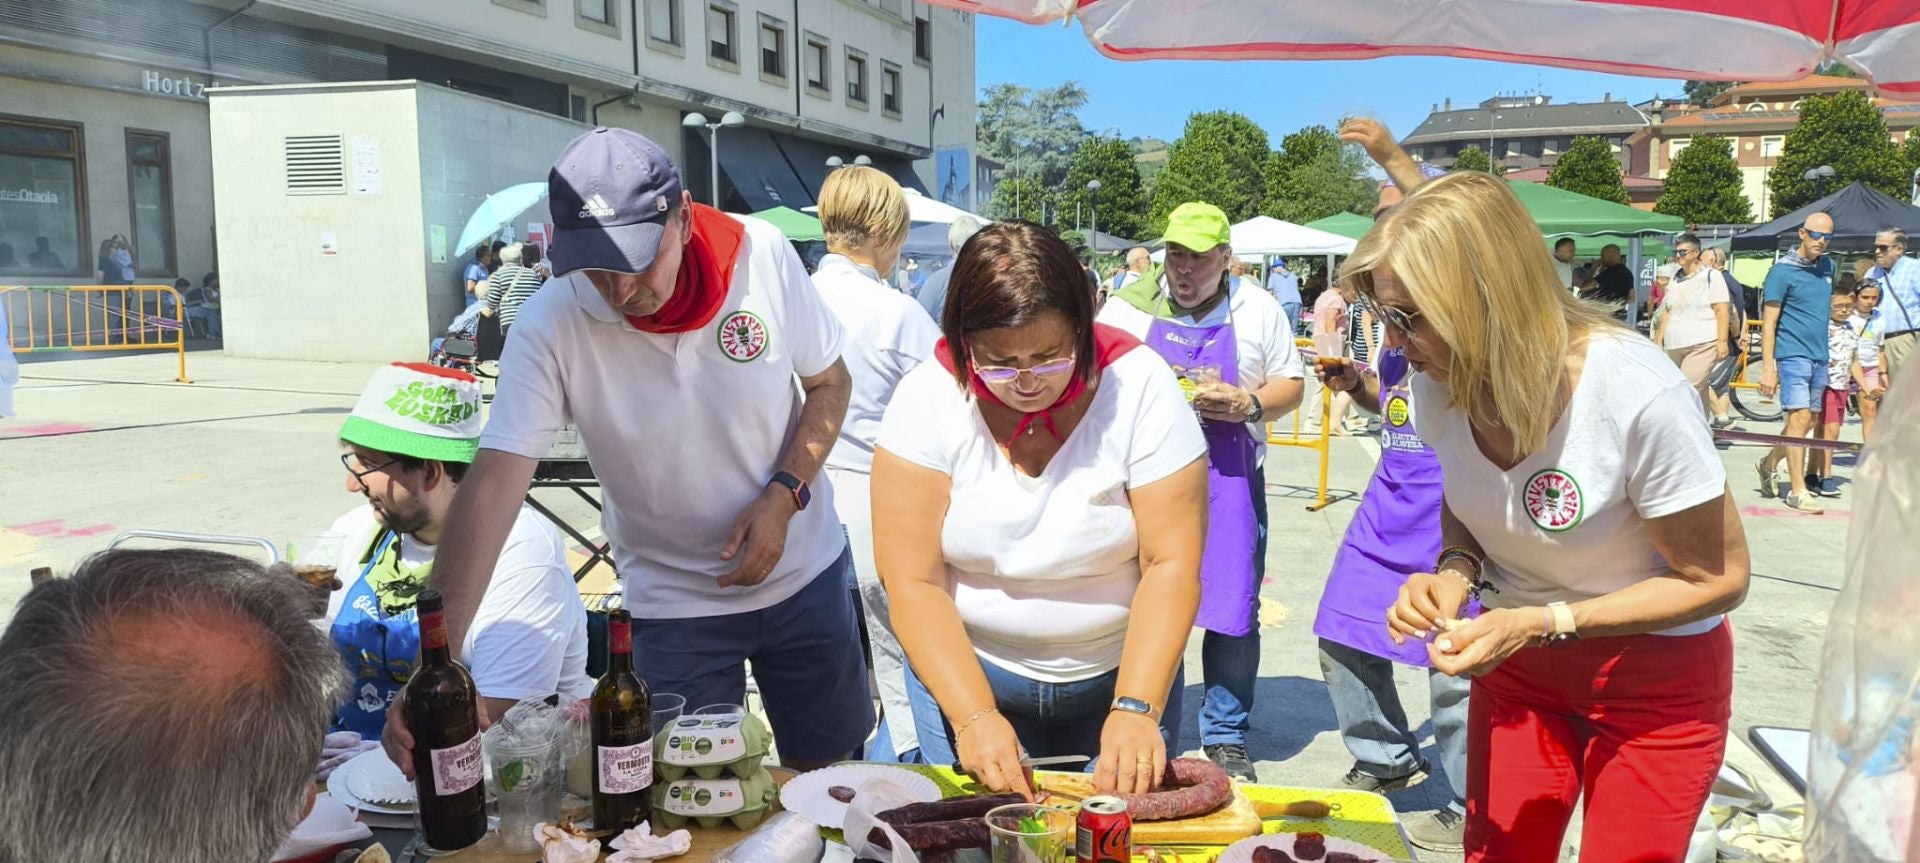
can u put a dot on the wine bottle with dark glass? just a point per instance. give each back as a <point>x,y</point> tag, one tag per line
<point>622,736</point>
<point>443,712</point>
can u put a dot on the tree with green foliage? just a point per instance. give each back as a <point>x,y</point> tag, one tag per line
<point>1313,176</point>
<point>1911,152</point>
<point>1702,92</point>
<point>1589,167</point>
<point>1218,159</point>
<point>1020,198</point>
<point>1473,158</point>
<point>1844,130</point>
<point>1122,199</point>
<point>1031,132</point>
<point>1703,185</point>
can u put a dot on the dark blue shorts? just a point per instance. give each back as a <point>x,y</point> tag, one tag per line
<point>806,657</point>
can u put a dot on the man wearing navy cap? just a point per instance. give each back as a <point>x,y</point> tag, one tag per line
<point>672,335</point>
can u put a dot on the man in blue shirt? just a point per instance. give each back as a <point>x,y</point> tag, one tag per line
<point>1285,287</point>
<point>1900,307</point>
<point>1793,350</point>
<point>474,277</point>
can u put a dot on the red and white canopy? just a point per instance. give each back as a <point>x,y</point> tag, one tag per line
<point>1745,40</point>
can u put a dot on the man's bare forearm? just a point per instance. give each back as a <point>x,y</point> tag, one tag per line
<point>1770,321</point>
<point>484,508</point>
<point>826,408</point>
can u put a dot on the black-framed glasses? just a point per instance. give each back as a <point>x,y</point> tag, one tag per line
<point>1399,319</point>
<point>1881,249</point>
<point>348,460</point>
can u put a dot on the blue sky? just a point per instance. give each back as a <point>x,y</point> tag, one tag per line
<point>1154,97</point>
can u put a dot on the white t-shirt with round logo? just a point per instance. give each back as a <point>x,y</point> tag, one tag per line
<point>1043,569</point>
<point>684,430</point>
<point>1569,522</point>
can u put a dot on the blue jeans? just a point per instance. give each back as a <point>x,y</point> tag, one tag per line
<point>1374,726</point>
<point>1229,665</point>
<point>1049,718</point>
<point>1293,317</point>
<point>1802,383</point>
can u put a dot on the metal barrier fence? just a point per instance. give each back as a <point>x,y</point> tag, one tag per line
<point>48,318</point>
<point>1312,442</point>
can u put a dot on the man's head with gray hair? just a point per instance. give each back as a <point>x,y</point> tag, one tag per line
<point>1889,245</point>
<point>161,705</point>
<point>511,253</point>
<point>960,230</point>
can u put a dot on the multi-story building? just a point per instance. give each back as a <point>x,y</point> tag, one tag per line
<point>1757,117</point>
<point>104,123</point>
<point>1522,131</point>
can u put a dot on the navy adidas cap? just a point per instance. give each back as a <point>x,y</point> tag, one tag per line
<point>609,193</point>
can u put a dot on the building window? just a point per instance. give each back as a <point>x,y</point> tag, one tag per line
<point>150,197</point>
<point>1675,146</point>
<point>1756,107</point>
<point>1770,146</point>
<point>531,7</point>
<point>856,77</point>
<point>663,21</point>
<point>721,36</point>
<point>773,47</point>
<point>597,10</point>
<point>597,16</point>
<point>923,40</point>
<point>1550,147</point>
<point>42,211</point>
<point>890,89</point>
<point>818,67</point>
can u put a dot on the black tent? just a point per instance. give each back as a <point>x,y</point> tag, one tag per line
<point>1858,213</point>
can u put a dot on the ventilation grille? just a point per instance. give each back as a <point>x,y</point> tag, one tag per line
<point>316,165</point>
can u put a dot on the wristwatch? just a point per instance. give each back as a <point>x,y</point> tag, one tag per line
<point>1564,634</point>
<point>1135,705</point>
<point>1256,410</point>
<point>802,495</point>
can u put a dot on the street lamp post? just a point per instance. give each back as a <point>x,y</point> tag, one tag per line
<point>1819,176</point>
<point>697,120</point>
<point>1093,205</point>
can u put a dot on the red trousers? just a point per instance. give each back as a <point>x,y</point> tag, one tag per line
<point>1638,724</point>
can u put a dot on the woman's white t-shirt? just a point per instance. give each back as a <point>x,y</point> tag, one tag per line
<point>1043,569</point>
<point>1689,308</point>
<point>1569,522</point>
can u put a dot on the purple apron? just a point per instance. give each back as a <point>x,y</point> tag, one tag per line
<point>1228,586</point>
<point>1396,531</point>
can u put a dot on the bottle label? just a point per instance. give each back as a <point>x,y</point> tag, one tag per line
<point>433,630</point>
<point>626,769</point>
<point>456,768</point>
<point>619,637</point>
<point>710,739</point>
<point>697,797</point>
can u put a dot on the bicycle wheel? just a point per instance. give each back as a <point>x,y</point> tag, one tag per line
<point>1747,398</point>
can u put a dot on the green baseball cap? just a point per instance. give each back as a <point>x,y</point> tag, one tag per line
<point>1197,226</point>
<point>418,410</point>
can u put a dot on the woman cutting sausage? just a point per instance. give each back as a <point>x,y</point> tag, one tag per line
<point>1039,500</point>
<point>1585,498</point>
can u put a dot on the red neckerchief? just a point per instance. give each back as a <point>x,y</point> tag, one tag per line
<point>1109,344</point>
<point>706,273</point>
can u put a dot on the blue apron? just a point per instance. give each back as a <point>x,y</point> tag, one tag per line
<point>1229,584</point>
<point>379,649</point>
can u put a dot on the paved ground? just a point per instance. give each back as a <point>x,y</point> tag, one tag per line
<point>108,444</point>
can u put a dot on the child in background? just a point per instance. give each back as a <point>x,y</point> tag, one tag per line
<point>1843,369</point>
<point>1866,324</point>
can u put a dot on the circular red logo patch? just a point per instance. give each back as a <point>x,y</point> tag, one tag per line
<point>1553,500</point>
<point>743,336</point>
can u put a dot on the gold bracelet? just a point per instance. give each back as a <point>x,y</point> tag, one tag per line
<point>962,730</point>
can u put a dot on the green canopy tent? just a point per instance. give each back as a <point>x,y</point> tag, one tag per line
<point>1352,225</point>
<point>1594,223</point>
<point>798,226</point>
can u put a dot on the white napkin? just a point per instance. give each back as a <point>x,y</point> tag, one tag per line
<point>330,824</point>
<point>339,748</point>
<point>560,846</point>
<point>871,798</point>
<point>639,845</point>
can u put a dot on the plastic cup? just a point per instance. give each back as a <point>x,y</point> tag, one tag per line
<point>526,781</point>
<point>316,560</point>
<point>667,708</point>
<point>1031,833</point>
<point>717,708</point>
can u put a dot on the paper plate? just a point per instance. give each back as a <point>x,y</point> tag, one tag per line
<point>807,795</point>
<point>347,785</point>
<point>1242,851</point>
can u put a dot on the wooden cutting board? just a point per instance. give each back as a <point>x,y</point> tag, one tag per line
<point>1224,826</point>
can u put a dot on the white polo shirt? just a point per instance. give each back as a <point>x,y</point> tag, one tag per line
<point>1043,569</point>
<point>683,430</point>
<point>1263,338</point>
<point>887,334</point>
<point>1569,522</point>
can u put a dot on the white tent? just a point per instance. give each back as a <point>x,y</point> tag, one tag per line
<point>922,209</point>
<point>1265,235</point>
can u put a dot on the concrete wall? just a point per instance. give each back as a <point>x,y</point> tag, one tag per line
<point>106,98</point>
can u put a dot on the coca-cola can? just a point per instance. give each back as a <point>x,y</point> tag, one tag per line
<point>1105,833</point>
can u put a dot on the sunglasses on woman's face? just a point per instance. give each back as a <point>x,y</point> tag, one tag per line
<point>1007,374</point>
<point>1399,319</point>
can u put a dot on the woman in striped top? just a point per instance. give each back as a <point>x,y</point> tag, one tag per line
<point>510,285</point>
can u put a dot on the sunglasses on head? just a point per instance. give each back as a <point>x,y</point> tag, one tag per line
<point>1818,235</point>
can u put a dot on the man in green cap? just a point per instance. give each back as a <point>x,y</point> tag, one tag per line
<point>1232,347</point>
<point>408,443</point>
